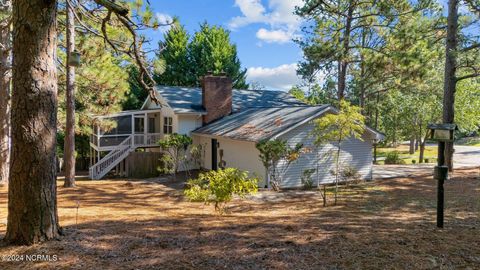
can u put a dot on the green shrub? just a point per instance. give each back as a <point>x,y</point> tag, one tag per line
<point>176,152</point>
<point>393,158</point>
<point>274,151</point>
<point>307,180</point>
<point>220,186</point>
<point>414,161</point>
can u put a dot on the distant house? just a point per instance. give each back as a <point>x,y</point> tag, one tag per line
<point>228,123</point>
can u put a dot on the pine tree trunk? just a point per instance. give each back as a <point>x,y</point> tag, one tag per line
<point>376,128</point>
<point>5,73</point>
<point>450,80</point>
<point>69,145</point>
<point>32,194</point>
<point>343,65</point>
<point>362,75</point>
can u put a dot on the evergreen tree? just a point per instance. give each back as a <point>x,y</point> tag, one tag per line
<point>32,192</point>
<point>343,31</point>
<point>462,61</point>
<point>5,76</point>
<point>210,50</point>
<point>174,53</point>
<point>137,95</point>
<point>102,88</point>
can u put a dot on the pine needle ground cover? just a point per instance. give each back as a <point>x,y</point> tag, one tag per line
<point>150,225</point>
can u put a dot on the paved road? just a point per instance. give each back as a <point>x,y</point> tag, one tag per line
<point>464,157</point>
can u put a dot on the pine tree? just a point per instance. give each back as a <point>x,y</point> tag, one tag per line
<point>343,30</point>
<point>69,146</point>
<point>5,73</point>
<point>210,50</point>
<point>174,54</point>
<point>32,193</point>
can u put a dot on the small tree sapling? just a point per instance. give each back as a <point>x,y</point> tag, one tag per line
<point>348,123</point>
<point>175,148</point>
<point>272,152</point>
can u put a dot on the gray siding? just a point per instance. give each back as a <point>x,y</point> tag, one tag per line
<point>356,153</point>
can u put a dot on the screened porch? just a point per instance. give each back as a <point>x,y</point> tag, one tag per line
<point>145,128</point>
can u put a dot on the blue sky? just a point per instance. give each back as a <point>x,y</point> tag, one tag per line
<point>261,29</point>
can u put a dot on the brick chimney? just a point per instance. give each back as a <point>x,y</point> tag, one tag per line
<point>216,97</point>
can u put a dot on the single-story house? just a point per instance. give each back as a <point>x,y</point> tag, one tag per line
<point>228,123</point>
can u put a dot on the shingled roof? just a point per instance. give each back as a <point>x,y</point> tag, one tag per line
<point>189,100</point>
<point>256,124</point>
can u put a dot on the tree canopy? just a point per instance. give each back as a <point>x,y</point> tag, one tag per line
<point>188,59</point>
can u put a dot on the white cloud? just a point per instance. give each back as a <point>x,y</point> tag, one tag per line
<point>273,36</point>
<point>279,17</point>
<point>252,10</point>
<point>164,19</point>
<point>282,77</point>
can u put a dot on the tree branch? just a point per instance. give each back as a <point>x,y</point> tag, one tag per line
<point>471,47</point>
<point>113,7</point>
<point>121,13</point>
<point>472,75</point>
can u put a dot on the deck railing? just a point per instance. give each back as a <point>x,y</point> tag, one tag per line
<point>109,161</point>
<point>139,140</point>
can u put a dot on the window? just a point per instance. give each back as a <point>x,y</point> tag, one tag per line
<point>167,125</point>
<point>152,128</point>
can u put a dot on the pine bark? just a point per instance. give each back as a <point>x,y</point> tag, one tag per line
<point>343,64</point>
<point>450,80</point>
<point>69,145</point>
<point>5,74</point>
<point>32,203</point>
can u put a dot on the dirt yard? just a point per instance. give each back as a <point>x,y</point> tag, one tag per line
<point>149,225</point>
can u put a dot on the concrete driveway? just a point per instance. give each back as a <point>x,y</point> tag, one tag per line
<point>464,157</point>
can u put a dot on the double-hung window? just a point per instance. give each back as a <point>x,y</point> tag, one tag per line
<point>167,125</point>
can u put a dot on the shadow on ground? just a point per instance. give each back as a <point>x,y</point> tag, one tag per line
<point>148,225</point>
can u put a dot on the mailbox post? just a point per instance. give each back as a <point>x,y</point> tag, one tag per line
<point>441,133</point>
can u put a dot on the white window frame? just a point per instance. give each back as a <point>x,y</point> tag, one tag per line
<point>167,125</point>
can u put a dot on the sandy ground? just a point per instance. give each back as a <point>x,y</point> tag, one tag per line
<point>387,224</point>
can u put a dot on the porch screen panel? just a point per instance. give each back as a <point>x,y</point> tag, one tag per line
<point>124,125</point>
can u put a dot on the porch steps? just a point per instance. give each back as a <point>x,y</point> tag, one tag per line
<point>112,159</point>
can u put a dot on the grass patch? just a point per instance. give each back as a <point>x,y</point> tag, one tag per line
<point>403,151</point>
